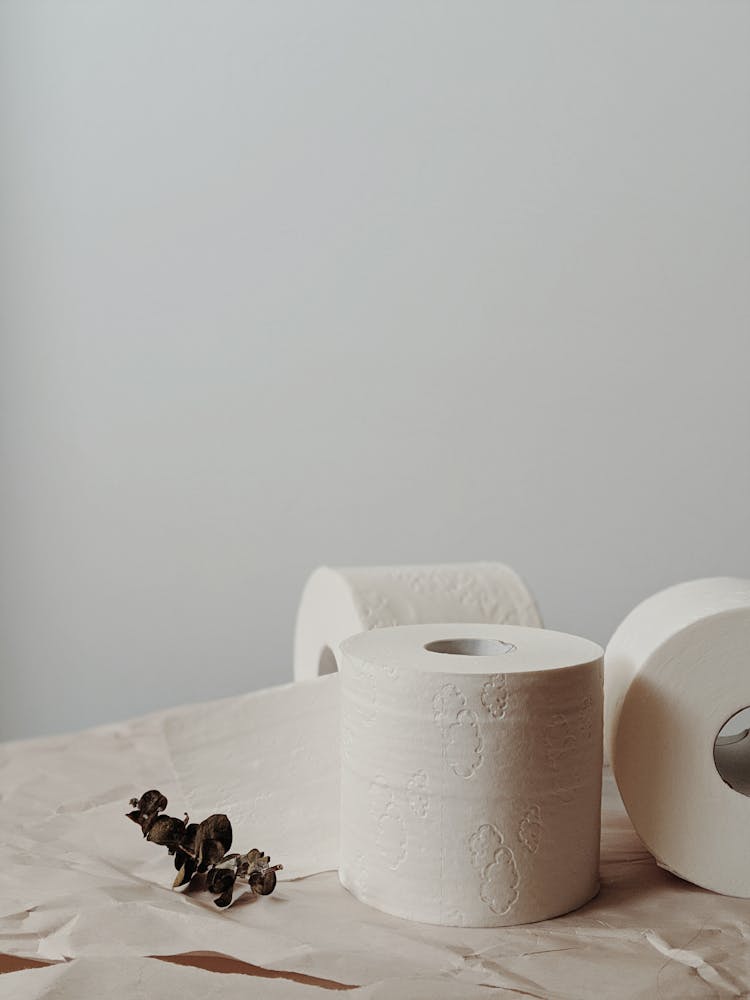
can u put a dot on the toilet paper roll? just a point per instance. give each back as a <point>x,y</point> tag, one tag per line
<point>676,670</point>
<point>339,602</point>
<point>471,768</point>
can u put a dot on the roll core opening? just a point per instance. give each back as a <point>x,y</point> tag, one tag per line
<point>327,662</point>
<point>470,647</point>
<point>732,751</point>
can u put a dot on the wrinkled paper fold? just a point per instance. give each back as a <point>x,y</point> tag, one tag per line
<point>78,881</point>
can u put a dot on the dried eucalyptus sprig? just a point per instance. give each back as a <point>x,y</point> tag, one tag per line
<point>201,848</point>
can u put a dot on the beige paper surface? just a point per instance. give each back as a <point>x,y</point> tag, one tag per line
<point>149,978</point>
<point>78,881</point>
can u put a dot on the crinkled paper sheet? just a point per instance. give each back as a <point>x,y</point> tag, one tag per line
<point>79,882</point>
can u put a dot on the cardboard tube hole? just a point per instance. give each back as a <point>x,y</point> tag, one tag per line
<point>327,662</point>
<point>470,647</point>
<point>732,751</point>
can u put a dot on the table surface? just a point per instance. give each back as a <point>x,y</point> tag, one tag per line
<point>83,905</point>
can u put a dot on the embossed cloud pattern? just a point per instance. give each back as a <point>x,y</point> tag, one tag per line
<point>468,798</point>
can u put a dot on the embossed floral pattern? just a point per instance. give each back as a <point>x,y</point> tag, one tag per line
<point>390,828</point>
<point>417,789</point>
<point>463,744</point>
<point>483,844</point>
<point>494,860</point>
<point>462,741</point>
<point>375,610</point>
<point>391,836</point>
<point>561,740</point>
<point>447,703</point>
<point>530,829</point>
<point>487,594</point>
<point>495,696</point>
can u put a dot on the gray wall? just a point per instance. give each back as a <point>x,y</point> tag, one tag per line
<point>298,282</point>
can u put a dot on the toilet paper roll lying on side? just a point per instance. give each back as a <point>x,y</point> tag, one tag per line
<point>676,670</point>
<point>471,768</point>
<point>339,602</point>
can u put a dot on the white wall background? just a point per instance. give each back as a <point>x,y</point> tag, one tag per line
<point>298,282</point>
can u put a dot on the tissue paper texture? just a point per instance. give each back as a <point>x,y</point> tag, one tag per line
<point>270,761</point>
<point>80,886</point>
<point>675,671</point>
<point>471,784</point>
<point>339,602</point>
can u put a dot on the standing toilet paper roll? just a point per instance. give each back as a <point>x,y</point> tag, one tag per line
<point>676,671</point>
<point>339,602</point>
<point>471,768</point>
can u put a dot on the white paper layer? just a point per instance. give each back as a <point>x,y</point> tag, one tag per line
<point>341,601</point>
<point>78,881</point>
<point>675,671</point>
<point>270,761</point>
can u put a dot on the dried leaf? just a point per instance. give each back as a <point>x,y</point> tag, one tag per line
<point>212,841</point>
<point>166,830</point>
<point>186,869</point>
<point>203,847</point>
<point>263,883</point>
<point>151,802</point>
<point>216,827</point>
<point>220,883</point>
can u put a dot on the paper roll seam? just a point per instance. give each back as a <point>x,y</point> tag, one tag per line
<point>341,601</point>
<point>675,671</point>
<point>468,798</point>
